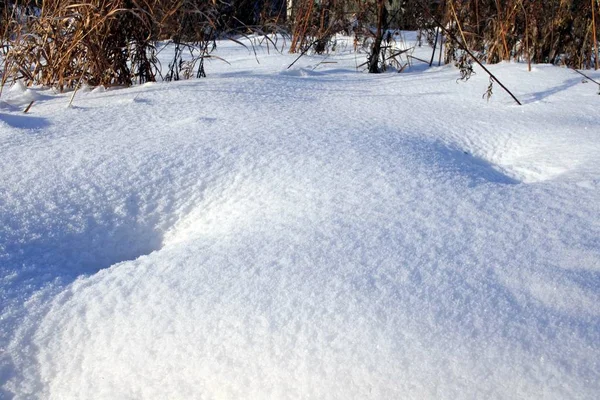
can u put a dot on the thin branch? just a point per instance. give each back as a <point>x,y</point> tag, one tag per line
<point>303,53</point>
<point>587,77</point>
<point>464,47</point>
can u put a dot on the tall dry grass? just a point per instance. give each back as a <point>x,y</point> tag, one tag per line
<point>539,31</point>
<point>63,43</point>
<point>315,23</point>
<point>99,42</point>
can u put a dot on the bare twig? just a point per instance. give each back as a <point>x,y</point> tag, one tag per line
<point>594,36</point>
<point>463,46</point>
<point>303,53</point>
<point>26,110</point>
<point>586,77</point>
<point>437,34</point>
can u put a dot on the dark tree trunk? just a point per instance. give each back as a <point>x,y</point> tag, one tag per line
<point>382,16</point>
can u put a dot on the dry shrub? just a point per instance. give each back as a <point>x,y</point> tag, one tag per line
<point>315,23</point>
<point>101,42</point>
<point>539,31</point>
<point>63,43</point>
<point>542,31</point>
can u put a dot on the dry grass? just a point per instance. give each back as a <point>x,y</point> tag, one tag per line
<point>64,43</point>
<point>99,42</point>
<point>315,23</point>
<point>548,31</point>
<point>540,31</point>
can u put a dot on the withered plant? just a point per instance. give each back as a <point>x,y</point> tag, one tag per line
<point>539,31</point>
<point>192,27</point>
<point>315,23</point>
<point>100,42</point>
<point>63,43</point>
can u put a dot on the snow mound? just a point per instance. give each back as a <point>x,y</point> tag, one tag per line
<point>301,72</point>
<point>360,244</point>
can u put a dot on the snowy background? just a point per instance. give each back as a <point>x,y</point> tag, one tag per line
<point>312,232</point>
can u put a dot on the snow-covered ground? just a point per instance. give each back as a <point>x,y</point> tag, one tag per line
<point>315,232</point>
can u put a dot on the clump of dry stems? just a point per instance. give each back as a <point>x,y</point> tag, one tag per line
<point>560,32</point>
<point>315,23</point>
<point>63,43</point>
<point>538,31</point>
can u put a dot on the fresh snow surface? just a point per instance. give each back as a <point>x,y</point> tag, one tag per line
<point>312,232</point>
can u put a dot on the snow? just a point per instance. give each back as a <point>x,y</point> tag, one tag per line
<point>312,232</point>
